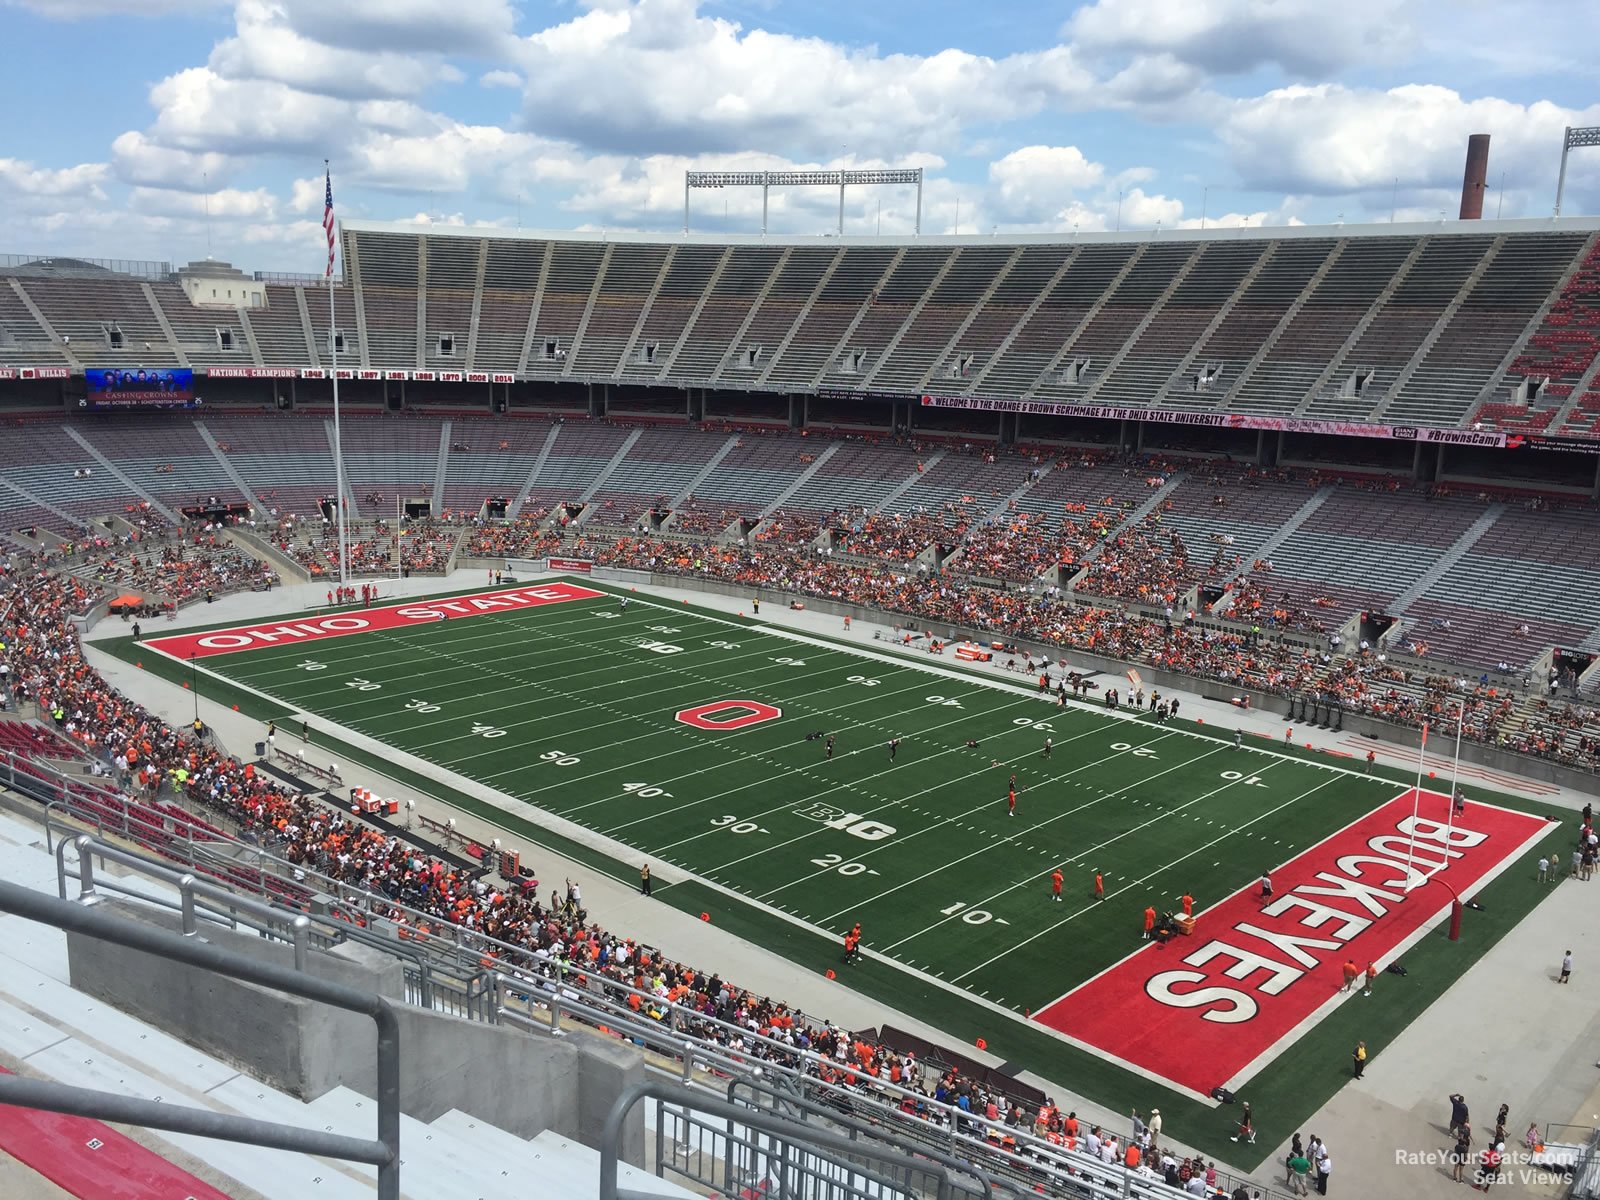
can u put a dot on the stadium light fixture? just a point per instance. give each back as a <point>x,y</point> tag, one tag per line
<point>766,180</point>
<point>1575,138</point>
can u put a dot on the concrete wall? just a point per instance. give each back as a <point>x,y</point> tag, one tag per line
<point>521,1082</point>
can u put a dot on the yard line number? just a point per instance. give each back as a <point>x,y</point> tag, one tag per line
<point>735,825</point>
<point>648,790</point>
<point>836,862</point>
<point>972,916</point>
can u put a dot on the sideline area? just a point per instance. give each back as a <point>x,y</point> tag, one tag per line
<point>1501,1033</point>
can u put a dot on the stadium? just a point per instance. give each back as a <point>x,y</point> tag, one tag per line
<point>762,715</point>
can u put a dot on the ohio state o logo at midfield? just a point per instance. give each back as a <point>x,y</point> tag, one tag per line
<point>728,714</point>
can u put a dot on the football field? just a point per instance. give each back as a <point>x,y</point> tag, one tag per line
<point>805,785</point>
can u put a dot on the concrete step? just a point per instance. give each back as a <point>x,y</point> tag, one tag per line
<point>553,1148</point>
<point>274,1173</point>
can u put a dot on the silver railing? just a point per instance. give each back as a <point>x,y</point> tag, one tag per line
<point>197,899</point>
<point>477,977</point>
<point>383,1151</point>
<point>720,1146</point>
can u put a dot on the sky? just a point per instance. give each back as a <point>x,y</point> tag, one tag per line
<point>182,129</point>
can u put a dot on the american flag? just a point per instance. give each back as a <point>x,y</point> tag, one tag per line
<point>327,221</point>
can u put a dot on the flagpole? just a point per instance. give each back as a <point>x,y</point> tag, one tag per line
<point>1455,772</point>
<point>1416,802</point>
<point>333,352</point>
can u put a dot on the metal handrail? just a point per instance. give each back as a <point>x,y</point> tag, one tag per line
<point>382,1152</point>
<point>190,887</point>
<point>673,1035</point>
<point>968,1137</point>
<point>781,1130</point>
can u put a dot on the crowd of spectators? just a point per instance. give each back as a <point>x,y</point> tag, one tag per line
<point>148,757</point>
<point>45,665</point>
<point>704,522</point>
<point>1254,604</point>
<point>786,528</point>
<point>1142,562</point>
<point>900,536</point>
<point>521,538</point>
<point>175,571</point>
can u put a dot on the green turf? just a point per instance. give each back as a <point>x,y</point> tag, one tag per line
<point>561,707</point>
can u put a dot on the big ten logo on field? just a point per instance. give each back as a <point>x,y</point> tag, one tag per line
<point>724,715</point>
<point>652,645</point>
<point>852,823</point>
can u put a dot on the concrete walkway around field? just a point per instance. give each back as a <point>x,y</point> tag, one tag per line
<point>1504,1032</point>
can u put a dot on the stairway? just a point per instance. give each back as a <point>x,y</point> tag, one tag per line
<point>29,497</point>
<point>245,490</point>
<point>48,329</point>
<point>477,305</point>
<point>832,359</point>
<point>161,320</point>
<point>1448,559</point>
<point>1151,313</point>
<point>1004,506</point>
<point>1289,314</point>
<point>1054,365</point>
<point>812,468</point>
<point>116,473</point>
<point>971,385</point>
<point>442,469</point>
<point>1133,518</point>
<point>1336,363</point>
<point>313,353</point>
<point>1448,315</point>
<point>1187,365</point>
<point>616,461</point>
<point>947,354</point>
<point>694,313</point>
<point>922,302</point>
<point>644,313</point>
<point>736,344</point>
<point>515,510</point>
<point>61,1034</point>
<point>588,311</point>
<point>909,482</point>
<point>1283,533</point>
<point>1535,322</point>
<point>800,318</point>
<point>249,332</point>
<point>705,472</point>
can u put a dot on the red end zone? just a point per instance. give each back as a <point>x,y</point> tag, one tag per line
<point>366,620</point>
<point>1200,1011</point>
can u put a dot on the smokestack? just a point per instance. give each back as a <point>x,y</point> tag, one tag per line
<point>1476,177</point>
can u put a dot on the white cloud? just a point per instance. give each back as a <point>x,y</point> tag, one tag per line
<point>1303,37</point>
<point>1328,139</point>
<point>677,81</point>
<point>24,179</point>
<point>226,204</point>
<point>136,159</point>
<point>500,79</point>
<point>203,111</point>
<point>72,10</point>
<point>1038,183</point>
<point>479,27</point>
<point>267,47</point>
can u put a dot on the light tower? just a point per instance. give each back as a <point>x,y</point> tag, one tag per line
<point>766,180</point>
<point>1575,138</point>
